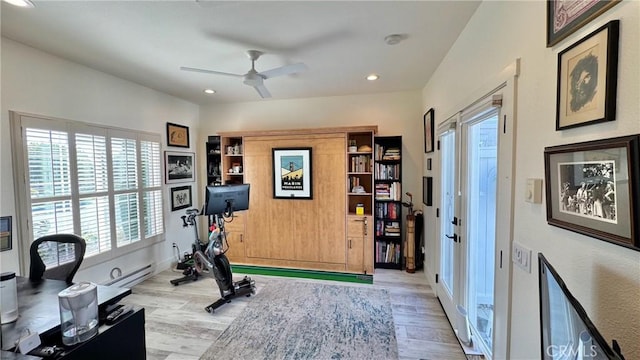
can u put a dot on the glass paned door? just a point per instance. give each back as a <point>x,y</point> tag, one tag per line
<point>481,189</point>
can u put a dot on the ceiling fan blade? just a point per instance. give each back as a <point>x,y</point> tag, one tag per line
<point>209,71</point>
<point>262,90</point>
<point>284,70</point>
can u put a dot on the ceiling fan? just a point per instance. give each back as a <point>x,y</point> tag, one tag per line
<point>254,78</point>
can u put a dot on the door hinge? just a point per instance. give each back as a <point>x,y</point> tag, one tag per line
<point>438,145</point>
<point>500,259</point>
<point>437,212</point>
<point>436,278</point>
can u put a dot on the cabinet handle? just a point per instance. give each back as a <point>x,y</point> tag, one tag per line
<point>349,243</point>
<point>364,225</point>
<point>241,237</point>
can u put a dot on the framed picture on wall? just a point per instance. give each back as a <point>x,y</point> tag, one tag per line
<point>292,173</point>
<point>428,130</point>
<point>5,233</point>
<point>592,188</point>
<point>177,135</point>
<point>565,17</point>
<point>179,167</point>
<point>588,79</point>
<point>180,197</point>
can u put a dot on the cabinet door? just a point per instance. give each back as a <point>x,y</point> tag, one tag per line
<point>236,238</point>
<point>358,243</point>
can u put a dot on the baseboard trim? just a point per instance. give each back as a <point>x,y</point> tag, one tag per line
<point>302,273</point>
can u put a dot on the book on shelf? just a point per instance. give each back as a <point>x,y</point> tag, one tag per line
<point>386,153</point>
<point>388,191</point>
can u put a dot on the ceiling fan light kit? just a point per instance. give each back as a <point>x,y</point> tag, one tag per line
<point>254,78</point>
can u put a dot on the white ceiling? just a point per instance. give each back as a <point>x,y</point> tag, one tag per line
<point>340,41</point>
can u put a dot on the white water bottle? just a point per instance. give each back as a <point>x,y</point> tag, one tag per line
<point>8,297</point>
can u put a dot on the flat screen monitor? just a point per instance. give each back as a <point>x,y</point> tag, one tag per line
<point>225,199</point>
<point>566,332</point>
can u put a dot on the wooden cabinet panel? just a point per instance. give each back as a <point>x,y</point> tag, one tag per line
<point>235,230</point>
<point>359,239</point>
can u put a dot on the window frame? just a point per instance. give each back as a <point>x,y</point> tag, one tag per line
<point>18,124</point>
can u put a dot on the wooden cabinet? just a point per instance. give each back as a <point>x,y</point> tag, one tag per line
<point>235,229</point>
<point>388,202</point>
<point>232,160</point>
<point>359,240</point>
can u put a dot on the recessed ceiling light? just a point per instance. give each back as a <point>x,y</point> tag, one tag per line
<point>21,3</point>
<point>209,91</point>
<point>373,77</point>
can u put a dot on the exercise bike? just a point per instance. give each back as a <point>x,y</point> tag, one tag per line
<point>187,264</point>
<point>221,202</point>
<point>216,261</point>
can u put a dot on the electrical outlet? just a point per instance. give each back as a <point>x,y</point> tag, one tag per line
<point>521,256</point>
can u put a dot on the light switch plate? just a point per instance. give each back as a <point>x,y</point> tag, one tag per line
<point>533,192</point>
<point>521,256</point>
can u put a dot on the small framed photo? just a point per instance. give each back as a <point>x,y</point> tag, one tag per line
<point>588,79</point>
<point>180,197</point>
<point>592,188</point>
<point>429,164</point>
<point>565,17</point>
<point>5,233</point>
<point>292,173</point>
<point>177,135</point>
<point>428,130</point>
<point>427,190</point>
<point>179,167</point>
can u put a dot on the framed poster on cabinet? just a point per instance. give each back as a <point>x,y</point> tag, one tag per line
<point>292,173</point>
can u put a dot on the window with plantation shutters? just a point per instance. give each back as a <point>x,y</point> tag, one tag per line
<point>100,183</point>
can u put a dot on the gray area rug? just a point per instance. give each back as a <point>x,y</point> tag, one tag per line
<point>301,320</point>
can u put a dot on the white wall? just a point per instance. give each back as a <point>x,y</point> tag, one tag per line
<point>396,113</point>
<point>38,83</point>
<point>604,277</point>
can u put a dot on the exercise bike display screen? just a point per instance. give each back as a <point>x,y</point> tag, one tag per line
<point>225,199</point>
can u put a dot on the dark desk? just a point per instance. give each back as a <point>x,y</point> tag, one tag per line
<point>39,310</point>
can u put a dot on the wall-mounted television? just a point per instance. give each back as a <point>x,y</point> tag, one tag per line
<point>225,199</point>
<point>566,332</point>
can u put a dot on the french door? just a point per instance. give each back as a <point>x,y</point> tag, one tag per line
<point>475,189</point>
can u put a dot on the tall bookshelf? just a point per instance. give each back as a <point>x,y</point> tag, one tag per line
<point>214,160</point>
<point>387,213</point>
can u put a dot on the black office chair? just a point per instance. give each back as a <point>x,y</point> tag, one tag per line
<point>56,257</point>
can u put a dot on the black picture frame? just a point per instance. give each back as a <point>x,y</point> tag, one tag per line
<point>565,17</point>
<point>428,130</point>
<point>181,197</point>
<point>179,167</point>
<point>177,135</point>
<point>429,164</point>
<point>427,190</point>
<point>592,188</point>
<point>6,234</point>
<point>588,79</point>
<point>292,173</point>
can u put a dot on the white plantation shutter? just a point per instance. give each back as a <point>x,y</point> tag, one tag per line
<point>103,184</point>
<point>93,187</point>
<point>151,168</point>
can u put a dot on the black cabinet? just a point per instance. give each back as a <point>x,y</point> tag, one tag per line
<point>388,202</point>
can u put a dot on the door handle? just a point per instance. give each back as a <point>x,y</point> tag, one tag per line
<point>454,237</point>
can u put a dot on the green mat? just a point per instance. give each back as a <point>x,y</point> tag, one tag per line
<point>300,273</point>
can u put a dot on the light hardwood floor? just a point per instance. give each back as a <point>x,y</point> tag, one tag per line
<point>178,328</point>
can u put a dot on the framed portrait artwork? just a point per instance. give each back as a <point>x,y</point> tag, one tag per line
<point>5,233</point>
<point>292,173</point>
<point>587,79</point>
<point>177,135</point>
<point>428,130</point>
<point>180,197</point>
<point>592,188</point>
<point>179,167</point>
<point>566,16</point>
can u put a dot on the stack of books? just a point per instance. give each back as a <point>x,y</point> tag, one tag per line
<point>392,228</point>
